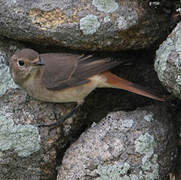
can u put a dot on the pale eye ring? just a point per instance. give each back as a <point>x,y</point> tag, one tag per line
<point>21,63</point>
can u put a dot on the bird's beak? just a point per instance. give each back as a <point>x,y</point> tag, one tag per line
<point>39,62</point>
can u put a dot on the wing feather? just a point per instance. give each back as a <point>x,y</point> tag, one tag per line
<point>68,70</point>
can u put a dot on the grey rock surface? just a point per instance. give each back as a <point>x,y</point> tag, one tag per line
<point>168,62</point>
<point>85,25</point>
<point>25,150</point>
<point>177,119</point>
<point>135,145</point>
<point>7,47</point>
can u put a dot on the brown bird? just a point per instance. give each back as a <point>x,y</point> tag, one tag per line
<point>64,77</point>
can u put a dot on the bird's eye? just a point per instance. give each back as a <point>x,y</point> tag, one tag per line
<point>21,63</point>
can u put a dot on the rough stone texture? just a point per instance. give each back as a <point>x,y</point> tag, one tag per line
<point>135,145</point>
<point>168,62</point>
<point>177,120</point>
<point>7,47</point>
<point>90,25</point>
<point>168,67</point>
<point>23,139</point>
<point>24,150</point>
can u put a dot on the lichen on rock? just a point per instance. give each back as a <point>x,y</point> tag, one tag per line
<point>122,146</point>
<point>23,139</point>
<point>6,81</point>
<point>168,62</point>
<point>89,24</point>
<point>145,145</point>
<point>107,6</point>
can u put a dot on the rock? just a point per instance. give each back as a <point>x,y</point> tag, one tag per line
<point>27,151</point>
<point>24,150</point>
<point>168,62</point>
<point>85,25</point>
<point>7,47</point>
<point>177,121</point>
<point>136,145</point>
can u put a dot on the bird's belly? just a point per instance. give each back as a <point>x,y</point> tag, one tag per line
<point>76,94</point>
<point>73,94</point>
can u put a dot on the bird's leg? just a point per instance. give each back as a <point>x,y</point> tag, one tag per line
<point>59,122</point>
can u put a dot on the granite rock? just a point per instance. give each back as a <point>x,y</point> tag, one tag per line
<point>131,145</point>
<point>168,62</point>
<point>85,25</point>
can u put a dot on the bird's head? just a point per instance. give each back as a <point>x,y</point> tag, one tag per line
<point>23,64</point>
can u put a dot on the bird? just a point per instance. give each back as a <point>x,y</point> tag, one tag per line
<point>66,77</point>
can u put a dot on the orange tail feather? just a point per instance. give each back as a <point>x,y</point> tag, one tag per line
<point>120,83</point>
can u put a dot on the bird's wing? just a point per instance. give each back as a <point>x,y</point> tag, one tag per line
<point>68,70</point>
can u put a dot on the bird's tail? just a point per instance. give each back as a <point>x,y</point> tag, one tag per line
<point>113,81</point>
